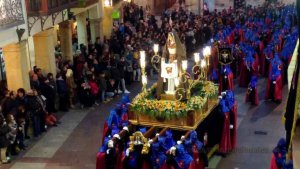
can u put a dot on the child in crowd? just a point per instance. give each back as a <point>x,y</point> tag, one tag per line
<point>21,122</point>
<point>4,141</point>
<point>12,148</point>
<point>94,88</point>
<point>102,86</point>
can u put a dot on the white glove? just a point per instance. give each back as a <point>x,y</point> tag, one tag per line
<point>127,152</point>
<point>107,151</point>
<point>179,142</point>
<point>150,142</point>
<point>274,82</point>
<point>126,128</point>
<point>231,126</point>
<point>157,134</point>
<point>173,150</point>
<point>182,138</point>
<point>117,136</point>
<point>225,77</point>
<point>110,144</point>
<point>223,93</point>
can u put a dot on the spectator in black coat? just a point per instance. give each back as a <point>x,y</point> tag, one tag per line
<point>9,103</point>
<point>62,91</point>
<point>49,93</point>
<point>116,75</point>
<point>21,119</point>
<point>122,68</point>
<point>22,102</point>
<point>35,109</point>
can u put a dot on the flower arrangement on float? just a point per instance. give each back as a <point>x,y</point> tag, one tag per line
<point>144,102</point>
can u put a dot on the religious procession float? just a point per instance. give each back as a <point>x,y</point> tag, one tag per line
<point>180,121</point>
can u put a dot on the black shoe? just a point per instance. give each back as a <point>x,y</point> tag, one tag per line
<point>27,137</point>
<point>54,125</point>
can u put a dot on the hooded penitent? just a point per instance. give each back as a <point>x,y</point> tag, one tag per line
<point>226,80</point>
<point>252,93</point>
<point>274,83</point>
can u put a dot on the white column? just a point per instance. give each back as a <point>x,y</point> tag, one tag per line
<point>31,51</point>
<point>65,36</point>
<point>81,28</point>
<point>95,21</point>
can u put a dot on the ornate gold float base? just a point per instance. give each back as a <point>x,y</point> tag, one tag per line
<point>191,122</point>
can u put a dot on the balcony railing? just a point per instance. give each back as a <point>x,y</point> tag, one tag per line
<point>11,14</point>
<point>45,7</point>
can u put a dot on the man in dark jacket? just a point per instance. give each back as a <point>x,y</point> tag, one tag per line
<point>22,102</point>
<point>116,75</point>
<point>35,110</point>
<point>62,91</point>
<point>49,93</point>
<point>122,67</point>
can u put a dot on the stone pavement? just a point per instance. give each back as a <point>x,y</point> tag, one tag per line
<point>75,142</point>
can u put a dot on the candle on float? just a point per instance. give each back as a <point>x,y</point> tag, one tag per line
<point>144,79</point>
<point>176,82</point>
<point>143,59</point>
<point>197,57</point>
<point>184,64</point>
<point>208,51</point>
<point>203,63</point>
<point>155,48</point>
